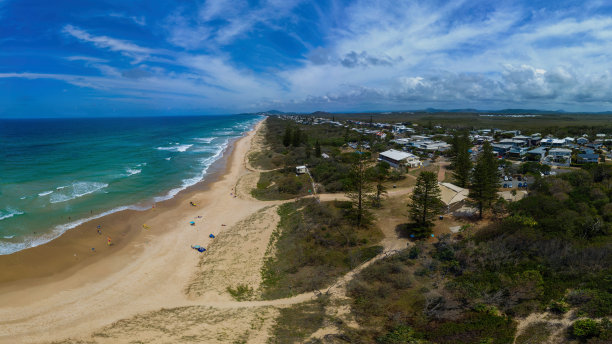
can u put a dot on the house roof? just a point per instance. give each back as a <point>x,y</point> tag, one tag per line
<point>539,150</point>
<point>588,156</point>
<point>560,150</point>
<point>396,155</point>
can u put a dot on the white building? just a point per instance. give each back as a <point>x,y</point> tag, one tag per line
<point>396,158</point>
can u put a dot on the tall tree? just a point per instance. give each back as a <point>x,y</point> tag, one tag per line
<point>425,201</point>
<point>297,137</point>
<point>485,179</point>
<point>378,174</point>
<point>359,186</point>
<point>461,159</point>
<point>317,149</point>
<point>287,137</point>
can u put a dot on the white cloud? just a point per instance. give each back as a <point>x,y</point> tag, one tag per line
<point>421,54</point>
<point>132,50</point>
<point>139,20</point>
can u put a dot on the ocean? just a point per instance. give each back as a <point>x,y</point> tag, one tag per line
<point>58,173</point>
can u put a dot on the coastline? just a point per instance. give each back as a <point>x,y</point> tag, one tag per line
<point>53,257</point>
<point>63,288</point>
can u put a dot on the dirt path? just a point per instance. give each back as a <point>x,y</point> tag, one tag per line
<point>442,168</point>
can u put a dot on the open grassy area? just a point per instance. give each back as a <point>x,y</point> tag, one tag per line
<point>315,243</point>
<point>281,184</point>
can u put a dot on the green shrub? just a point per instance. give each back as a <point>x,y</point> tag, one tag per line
<point>585,328</point>
<point>559,307</point>
<point>400,335</point>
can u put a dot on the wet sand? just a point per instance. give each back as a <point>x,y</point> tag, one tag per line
<point>64,289</point>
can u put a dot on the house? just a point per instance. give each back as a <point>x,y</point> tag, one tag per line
<point>432,146</point>
<point>582,140</point>
<point>301,169</point>
<point>397,158</point>
<point>401,129</point>
<point>585,158</point>
<point>525,139</point>
<point>381,135</point>
<point>402,141</point>
<point>501,149</point>
<point>560,156</point>
<point>516,152</point>
<point>536,154</point>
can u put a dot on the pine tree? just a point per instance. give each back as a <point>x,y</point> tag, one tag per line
<point>378,174</point>
<point>425,200</point>
<point>359,186</point>
<point>461,160</point>
<point>297,137</point>
<point>317,149</point>
<point>287,137</point>
<point>485,179</point>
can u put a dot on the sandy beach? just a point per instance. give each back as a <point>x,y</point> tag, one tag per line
<point>63,289</point>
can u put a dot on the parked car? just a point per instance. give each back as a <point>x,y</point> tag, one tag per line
<point>519,178</point>
<point>510,185</point>
<point>505,178</point>
<point>505,185</point>
<point>510,178</point>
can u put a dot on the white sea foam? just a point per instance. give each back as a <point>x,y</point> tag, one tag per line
<point>205,139</point>
<point>168,158</point>
<point>76,190</point>
<point>177,148</point>
<point>9,212</point>
<point>32,241</point>
<point>194,180</point>
<point>45,193</point>
<point>22,197</point>
<point>132,171</point>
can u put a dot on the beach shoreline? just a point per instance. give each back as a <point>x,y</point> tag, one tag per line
<point>118,225</point>
<point>65,288</point>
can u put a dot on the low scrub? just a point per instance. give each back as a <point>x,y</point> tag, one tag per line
<point>315,244</point>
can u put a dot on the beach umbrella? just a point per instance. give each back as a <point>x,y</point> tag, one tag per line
<point>192,223</point>
<point>211,236</point>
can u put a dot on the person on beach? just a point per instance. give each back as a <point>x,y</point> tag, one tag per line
<point>108,241</point>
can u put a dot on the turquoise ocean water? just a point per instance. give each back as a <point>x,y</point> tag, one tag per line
<point>53,169</point>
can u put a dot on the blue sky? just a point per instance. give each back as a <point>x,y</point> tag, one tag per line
<point>105,58</point>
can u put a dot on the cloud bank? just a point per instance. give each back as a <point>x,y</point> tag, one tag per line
<point>226,56</point>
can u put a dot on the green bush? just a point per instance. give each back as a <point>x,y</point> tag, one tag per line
<point>585,328</point>
<point>401,334</point>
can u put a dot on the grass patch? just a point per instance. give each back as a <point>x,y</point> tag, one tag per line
<point>431,168</point>
<point>315,243</point>
<point>535,333</point>
<point>296,323</point>
<point>280,185</point>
